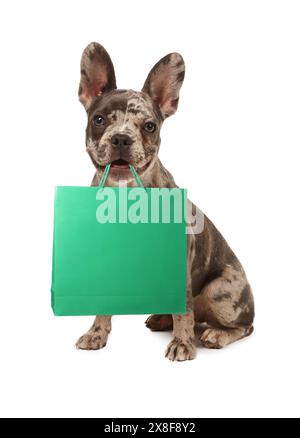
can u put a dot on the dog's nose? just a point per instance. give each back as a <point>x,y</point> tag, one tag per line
<point>121,140</point>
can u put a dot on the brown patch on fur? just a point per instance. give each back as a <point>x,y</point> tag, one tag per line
<point>159,322</point>
<point>221,296</point>
<point>244,298</point>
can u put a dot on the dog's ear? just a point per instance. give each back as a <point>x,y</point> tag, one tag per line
<point>164,81</point>
<point>97,74</point>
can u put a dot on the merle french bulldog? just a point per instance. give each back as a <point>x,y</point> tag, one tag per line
<point>124,128</point>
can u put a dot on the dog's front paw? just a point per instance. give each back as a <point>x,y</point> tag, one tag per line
<point>181,350</point>
<point>91,341</point>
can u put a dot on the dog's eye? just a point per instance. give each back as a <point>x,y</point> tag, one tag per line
<point>98,120</point>
<point>149,127</point>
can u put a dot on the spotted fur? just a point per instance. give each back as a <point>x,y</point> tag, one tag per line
<point>97,335</point>
<point>125,113</point>
<point>218,292</point>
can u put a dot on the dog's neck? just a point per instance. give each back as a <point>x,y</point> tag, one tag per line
<point>156,176</point>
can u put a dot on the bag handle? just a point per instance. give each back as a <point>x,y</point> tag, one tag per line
<point>104,175</point>
<point>132,169</point>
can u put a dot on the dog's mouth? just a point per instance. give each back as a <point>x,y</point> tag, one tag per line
<point>121,167</point>
<point>120,170</point>
<point>119,164</point>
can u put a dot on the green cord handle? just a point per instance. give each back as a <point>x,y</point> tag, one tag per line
<point>132,169</point>
<point>104,175</point>
<point>136,176</point>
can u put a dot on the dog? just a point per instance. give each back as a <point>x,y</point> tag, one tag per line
<point>124,128</point>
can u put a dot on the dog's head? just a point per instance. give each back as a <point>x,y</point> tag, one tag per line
<point>124,125</point>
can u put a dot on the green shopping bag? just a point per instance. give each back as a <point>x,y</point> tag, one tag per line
<point>119,250</point>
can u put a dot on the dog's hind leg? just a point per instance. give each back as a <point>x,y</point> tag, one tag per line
<point>226,305</point>
<point>97,335</point>
<point>158,323</point>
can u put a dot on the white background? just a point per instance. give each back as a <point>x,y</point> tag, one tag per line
<point>233,143</point>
